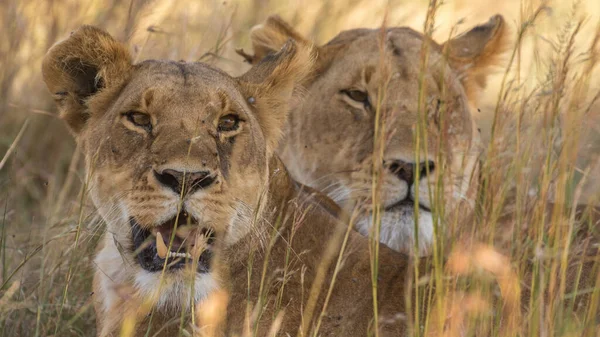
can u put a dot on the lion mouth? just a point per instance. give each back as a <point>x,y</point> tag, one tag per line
<point>176,243</point>
<point>404,205</point>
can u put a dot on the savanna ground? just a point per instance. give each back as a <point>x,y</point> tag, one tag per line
<point>539,118</point>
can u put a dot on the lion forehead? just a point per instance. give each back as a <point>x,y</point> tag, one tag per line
<point>170,91</point>
<point>190,81</point>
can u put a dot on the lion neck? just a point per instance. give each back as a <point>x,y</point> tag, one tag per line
<point>302,234</point>
<point>283,201</point>
<point>289,208</point>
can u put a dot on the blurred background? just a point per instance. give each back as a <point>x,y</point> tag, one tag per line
<point>40,169</point>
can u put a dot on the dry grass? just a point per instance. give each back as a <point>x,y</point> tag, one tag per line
<point>540,118</point>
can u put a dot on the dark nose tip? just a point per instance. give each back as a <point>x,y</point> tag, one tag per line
<point>406,171</point>
<point>190,182</point>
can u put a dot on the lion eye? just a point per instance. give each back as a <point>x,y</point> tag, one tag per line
<point>140,119</point>
<point>358,96</point>
<point>229,122</point>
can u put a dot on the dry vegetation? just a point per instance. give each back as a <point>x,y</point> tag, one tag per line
<point>539,117</point>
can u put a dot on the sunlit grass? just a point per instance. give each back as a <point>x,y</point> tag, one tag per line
<point>538,115</point>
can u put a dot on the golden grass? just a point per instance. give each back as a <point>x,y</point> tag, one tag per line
<point>539,117</point>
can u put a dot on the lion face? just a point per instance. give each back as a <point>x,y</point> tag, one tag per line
<point>175,147</point>
<point>176,154</point>
<point>376,121</point>
<point>338,150</point>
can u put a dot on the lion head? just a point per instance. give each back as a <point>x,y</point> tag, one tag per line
<point>389,110</point>
<point>177,156</point>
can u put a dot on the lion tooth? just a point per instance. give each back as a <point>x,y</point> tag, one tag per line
<point>161,248</point>
<point>181,255</point>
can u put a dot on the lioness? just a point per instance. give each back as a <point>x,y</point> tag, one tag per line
<point>181,166</point>
<point>330,138</point>
<point>366,79</point>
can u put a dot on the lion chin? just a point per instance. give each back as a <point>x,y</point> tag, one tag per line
<point>172,291</point>
<point>397,228</point>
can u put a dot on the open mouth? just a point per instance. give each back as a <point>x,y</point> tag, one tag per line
<point>405,205</point>
<point>176,243</point>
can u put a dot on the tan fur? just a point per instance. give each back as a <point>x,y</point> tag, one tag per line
<point>329,141</point>
<point>262,219</point>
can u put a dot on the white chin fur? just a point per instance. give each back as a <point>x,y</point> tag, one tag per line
<point>397,230</point>
<point>176,291</point>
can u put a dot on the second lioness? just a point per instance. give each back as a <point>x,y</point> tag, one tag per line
<point>419,93</point>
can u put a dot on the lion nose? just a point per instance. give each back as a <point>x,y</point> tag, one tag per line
<point>189,182</point>
<point>406,171</point>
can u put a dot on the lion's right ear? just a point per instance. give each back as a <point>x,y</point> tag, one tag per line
<point>81,66</point>
<point>270,37</point>
<point>473,53</point>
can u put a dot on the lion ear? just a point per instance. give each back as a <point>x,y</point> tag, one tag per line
<point>269,37</point>
<point>81,66</point>
<point>473,53</point>
<point>270,85</point>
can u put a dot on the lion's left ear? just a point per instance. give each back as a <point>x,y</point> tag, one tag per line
<point>269,87</point>
<point>473,53</point>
